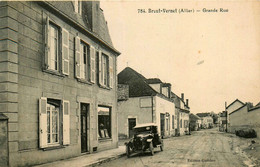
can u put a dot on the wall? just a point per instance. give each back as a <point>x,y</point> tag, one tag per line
<point>132,109</point>
<point>163,105</point>
<point>230,109</point>
<point>184,116</point>
<point>244,118</point>
<point>156,87</point>
<point>22,24</point>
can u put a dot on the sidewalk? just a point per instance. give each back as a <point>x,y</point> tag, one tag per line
<point>89,159</point>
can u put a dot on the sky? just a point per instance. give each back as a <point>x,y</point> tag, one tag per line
<point>211,57</point>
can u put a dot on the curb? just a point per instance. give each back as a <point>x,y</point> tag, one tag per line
<point>106,160</point>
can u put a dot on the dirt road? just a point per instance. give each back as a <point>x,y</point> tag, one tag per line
<point>203,148</point>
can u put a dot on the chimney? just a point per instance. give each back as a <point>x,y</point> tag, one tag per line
<point>182,96</point>
<point>187,102</point>
<point>92,10</point>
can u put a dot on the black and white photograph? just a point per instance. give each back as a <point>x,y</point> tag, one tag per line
<point>120,83</point>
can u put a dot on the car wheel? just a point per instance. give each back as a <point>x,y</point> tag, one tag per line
<point>128,152</point>
<point>151,148</point>
<point>161,146</point>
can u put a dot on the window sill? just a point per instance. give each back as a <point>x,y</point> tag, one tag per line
<point>105,87</point>
<point>53,72</point>
<point>104,140</point>
<point>53,148</point>
<point>84,81</point>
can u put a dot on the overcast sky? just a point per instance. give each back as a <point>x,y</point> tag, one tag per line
<point>210,57</point>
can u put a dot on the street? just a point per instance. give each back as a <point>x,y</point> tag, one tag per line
<point>202,148</point>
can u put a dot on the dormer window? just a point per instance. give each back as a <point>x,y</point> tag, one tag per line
<point>77,6</point>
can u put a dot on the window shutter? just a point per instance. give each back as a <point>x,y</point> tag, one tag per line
<point>77,57</point>
<point>43,122</point>
<point>92,64</point>
<point>66,122</point>
<point>111,72</point>
<point>65,52</point>
<point>47,44</point>
<point>100,79</point>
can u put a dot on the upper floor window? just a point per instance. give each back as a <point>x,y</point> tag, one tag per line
<point>56,48</point>
<point>104,69</point>
<point>77,6</point>
<point>85,63</point>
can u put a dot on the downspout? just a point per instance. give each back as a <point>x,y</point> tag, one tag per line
<point>152,109</point>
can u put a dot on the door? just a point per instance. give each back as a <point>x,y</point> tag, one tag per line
<point>131,125</point>
<point>162,116</point>
<point>84,127</point>
<point>3,141</point>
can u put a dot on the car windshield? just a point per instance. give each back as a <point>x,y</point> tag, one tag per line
<point>146,129</point>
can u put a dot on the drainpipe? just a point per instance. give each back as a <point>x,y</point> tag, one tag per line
<point>152,109</point>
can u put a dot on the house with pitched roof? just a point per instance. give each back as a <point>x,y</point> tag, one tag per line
<point>207,120</point>
<point>143,100</point>
<point>195,122</point>
<point>182,111</point>
<point>58,87</point>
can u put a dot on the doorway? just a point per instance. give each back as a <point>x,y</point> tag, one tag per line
<point>84,117</point>
<point>162,118</point>
<point>131,125</point>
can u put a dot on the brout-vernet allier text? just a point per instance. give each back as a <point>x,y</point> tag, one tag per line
<point>181,10</point>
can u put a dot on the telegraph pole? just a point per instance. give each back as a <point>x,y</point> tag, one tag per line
<point>226,115</point>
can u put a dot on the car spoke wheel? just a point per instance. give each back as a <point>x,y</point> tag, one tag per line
<point>128,152</point>
<point>151,148</point>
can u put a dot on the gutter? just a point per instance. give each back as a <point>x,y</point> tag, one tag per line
<point>75,24</point>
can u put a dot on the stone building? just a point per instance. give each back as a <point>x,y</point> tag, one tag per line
<point>144,100</point>
<point>57,80</point>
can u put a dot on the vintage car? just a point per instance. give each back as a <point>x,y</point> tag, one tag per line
<point>146,137</point>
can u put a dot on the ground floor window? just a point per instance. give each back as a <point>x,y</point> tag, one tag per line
<point>181,123</point>
<point>53,126</point>
<point>172,121</point>
<point>104,122</point>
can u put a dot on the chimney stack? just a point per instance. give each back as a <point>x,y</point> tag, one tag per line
<point>182,96</point>
<point>187,102</point>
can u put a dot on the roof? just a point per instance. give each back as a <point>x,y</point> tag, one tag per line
<point>258,104</point>
<point>153,80</point>
<point>166,84</point>
<point>193,116</point>
<point>137,83</point>
<point>234,102</point>
<point>246,104</point>
<point>65,10</point>
<point>185,111</point>
<point>203,114</point>
<point>144,125</point>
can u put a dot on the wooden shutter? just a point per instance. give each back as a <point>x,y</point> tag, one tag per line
<point>65,52</point>
<point>43,122</point>
<point>66,122</point>
<point>100,78</point>
<point>92,64</point>
<point>111,72</point>
<point>77,57</point>
<point>47,44</point>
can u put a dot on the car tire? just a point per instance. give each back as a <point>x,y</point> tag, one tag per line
<point>128,151</point>
<point>151,148</point>
<point>161,146</point>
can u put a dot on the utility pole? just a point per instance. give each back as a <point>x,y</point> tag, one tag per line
<point>226,115</point>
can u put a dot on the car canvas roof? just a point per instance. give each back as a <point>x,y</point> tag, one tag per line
<point>144,125</point>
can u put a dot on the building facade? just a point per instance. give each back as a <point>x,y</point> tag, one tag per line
<point>232,107</point>
<point>143,101</point>
<point>206,120</point>
<point>57,80</point>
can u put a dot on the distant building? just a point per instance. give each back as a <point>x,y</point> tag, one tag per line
<point>182,111</point>
<point>144,100</point>
<point>232,107</point>
<point>195,122</point>
<point>207,120</point>
<point>222,121</point>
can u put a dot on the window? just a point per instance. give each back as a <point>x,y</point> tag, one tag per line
<point>172,121</point>
<point>77,6</point>
<point>56,48</point>
<point>104,122</point>
<point>84,61</point>
<point>181,123</point>
<point>104,69</point>
<point>186,123</point>
<point>167,124</point>
<point>54,122</point>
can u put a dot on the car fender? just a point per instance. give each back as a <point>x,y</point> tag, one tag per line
<point>149,140</point>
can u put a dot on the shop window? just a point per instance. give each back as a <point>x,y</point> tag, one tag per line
<point>104,122</point>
